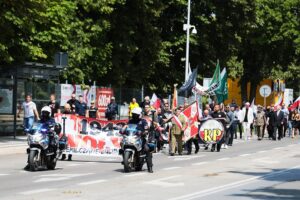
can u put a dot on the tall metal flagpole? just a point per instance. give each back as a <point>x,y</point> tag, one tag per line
<point>187,40</point>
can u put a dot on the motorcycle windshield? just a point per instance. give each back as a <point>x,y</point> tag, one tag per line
<point>39,127</point>
<point>131,130</point>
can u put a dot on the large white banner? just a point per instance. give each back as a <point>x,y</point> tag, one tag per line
<point>67,90</point>
<point>288,96</point>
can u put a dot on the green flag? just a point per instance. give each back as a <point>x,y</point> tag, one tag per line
<point>222,91</point>
<point>215,82</point>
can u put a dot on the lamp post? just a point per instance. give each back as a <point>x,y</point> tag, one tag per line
<point>187,27</point>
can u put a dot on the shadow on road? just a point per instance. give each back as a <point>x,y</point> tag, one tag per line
<point>286,185</point>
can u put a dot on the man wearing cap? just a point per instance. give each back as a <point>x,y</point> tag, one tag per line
<point>260,122</point>
<point>112,109</point>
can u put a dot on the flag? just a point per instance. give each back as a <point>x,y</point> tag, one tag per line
<point>222,90</point>
<point>295,105</point>
<point>175,100</point>
<point>191,114</point>
<point>155,102</point>
<point>190,83</point>
<point>253,106</point>
<point>215,82</point>
<point>279,101</point>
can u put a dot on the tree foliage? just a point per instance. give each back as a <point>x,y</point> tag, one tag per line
<point>141,42</point>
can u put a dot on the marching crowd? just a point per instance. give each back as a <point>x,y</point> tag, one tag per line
<point>239,121</point>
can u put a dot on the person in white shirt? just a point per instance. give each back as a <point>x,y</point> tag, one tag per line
<point>246,117</point>
<point>30,112</point>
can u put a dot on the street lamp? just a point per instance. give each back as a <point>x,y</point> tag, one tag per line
<point>187,27</point>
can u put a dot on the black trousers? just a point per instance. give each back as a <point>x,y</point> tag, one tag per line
<point>279,128</point>
<point>285,126</point>
<point>231,131</point>
<point>190,142</point>
<point>239,125</point>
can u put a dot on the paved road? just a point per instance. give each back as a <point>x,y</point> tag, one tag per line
<point>248,170</point>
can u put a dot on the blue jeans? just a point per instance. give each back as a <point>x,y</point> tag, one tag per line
<point>290,128</point>
<point>28,122</point>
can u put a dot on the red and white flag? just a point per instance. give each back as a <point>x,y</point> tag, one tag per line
<point>279,101</point>
<point>155,102</point>
<point>295,105</point>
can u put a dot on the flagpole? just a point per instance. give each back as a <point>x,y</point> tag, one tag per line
<point>187,40</point>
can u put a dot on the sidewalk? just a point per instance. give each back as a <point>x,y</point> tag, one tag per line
<point>9,141</point>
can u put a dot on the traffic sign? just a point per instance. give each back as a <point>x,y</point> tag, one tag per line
<point>265,91</point>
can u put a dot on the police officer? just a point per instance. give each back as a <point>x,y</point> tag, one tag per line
<point>143,127</point>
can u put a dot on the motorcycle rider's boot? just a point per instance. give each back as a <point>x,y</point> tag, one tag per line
<point>150,169</point>
<point>27,167</point>
<point>70,157</point>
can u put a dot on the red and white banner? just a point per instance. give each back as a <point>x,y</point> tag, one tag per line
<point>103,96</point>
<point>85,136</point>
<point>191,113</point>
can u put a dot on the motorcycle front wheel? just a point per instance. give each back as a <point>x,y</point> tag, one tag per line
<point>127,158</point>
<point>51,163</point>
<point>33,160</point>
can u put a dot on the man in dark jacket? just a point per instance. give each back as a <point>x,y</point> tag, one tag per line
<point>112,109</point>
<point>222,118</point>
<point>276,121</point>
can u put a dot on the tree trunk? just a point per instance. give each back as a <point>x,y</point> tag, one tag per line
<point>243,83</point>
<point>253,88</point>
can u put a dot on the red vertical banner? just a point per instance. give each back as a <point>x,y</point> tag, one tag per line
<point>103,96</point>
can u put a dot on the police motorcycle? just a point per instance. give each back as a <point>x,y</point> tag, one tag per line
<point>43,141</point>
<point>134,155</point>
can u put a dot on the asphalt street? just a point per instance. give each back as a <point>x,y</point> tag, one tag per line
<point>248,170</point>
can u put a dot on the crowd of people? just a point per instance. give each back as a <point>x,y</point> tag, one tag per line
<point>239,121</point>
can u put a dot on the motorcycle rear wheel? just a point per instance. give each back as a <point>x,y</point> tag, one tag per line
<point>33,160</point>
<point>127,158</point>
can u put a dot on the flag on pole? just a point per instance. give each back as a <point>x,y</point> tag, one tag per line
<point>253,106</point>
<point>190,83</point>
<point>295,105</point>
<point>279,101</point>
<point>155,102</point>
<point>215,82</point>
<point>175,96</point>
<point>222,90</point>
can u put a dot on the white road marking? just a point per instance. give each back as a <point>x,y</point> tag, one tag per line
<point>73,165</point>
<point>161,182</point>
<point>182,158</point>
<point>266,160</point>
<point>171,168</point>
<point>229,186</point>
<point>4,174</point>
<point>92,182</point>
<point>223,159</point>
<point>199,163</point>
<point>135,174</point>
<point>37,191</point>
<point>277,148</point>
<point>261,151</point>
<point>244,155</point>
<point>58,177</point>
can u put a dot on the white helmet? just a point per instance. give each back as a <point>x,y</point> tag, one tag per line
<point>137,111</point>
<point>46,109</point>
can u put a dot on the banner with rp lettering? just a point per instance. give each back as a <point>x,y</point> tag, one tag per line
<point>103,96</point>
<point>211,131</point>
